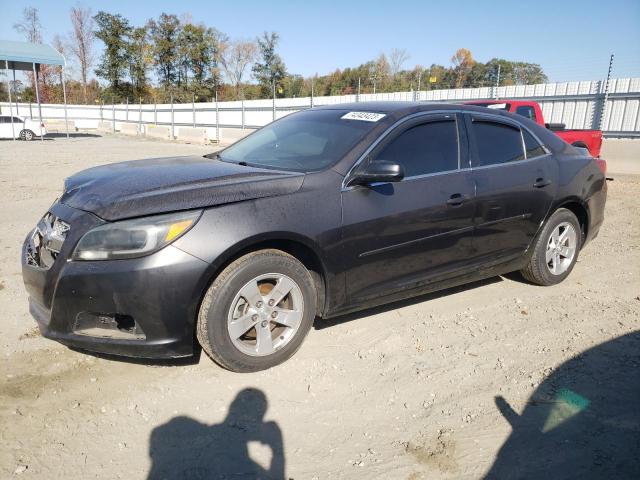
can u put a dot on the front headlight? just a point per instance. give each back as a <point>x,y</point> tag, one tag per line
<point>133,238</point>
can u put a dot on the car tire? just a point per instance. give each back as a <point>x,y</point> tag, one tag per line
<point>232,303</point>
<point>555,249</point>
<point>27,135</point>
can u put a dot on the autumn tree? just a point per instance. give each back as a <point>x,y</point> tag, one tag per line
<point>81,43</point>
<point>30,25</point>
<point>397,58</point>
<point>462,62</point>
<point>236,58</point>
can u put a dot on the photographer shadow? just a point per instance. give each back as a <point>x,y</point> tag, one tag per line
<point>184,448</point>
<point>583,421</point>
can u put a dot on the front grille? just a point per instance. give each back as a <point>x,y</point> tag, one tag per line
<point>46,241</point>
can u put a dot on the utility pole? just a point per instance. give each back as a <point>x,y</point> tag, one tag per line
<point>605,98</point>
<point>358,96</point>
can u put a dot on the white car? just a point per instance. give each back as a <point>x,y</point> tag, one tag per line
<point>23,128</point>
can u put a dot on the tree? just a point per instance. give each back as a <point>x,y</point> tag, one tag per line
<point>30,26</point>
<point>235,59</point>
<point>462,63</point>
<point>81,44</point>
<point>114,31</point>
<point>164,36</point>
<point>139,56</point>
<point>397,59</point>
<point>270,71</point>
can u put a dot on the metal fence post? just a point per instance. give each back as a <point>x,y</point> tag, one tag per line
<point>30,111</point>
<point>358,95</point>
<point>274,99</point>
<point>193,108</point>
<point>101,107</point>
<point>217,121</point>
<point>243,114</point>
<point>155,113</point>
<point>311,92</point>
<point>126,117</point>
<point>113,115</point>
<point>140,117</point>
<point>172,123</point>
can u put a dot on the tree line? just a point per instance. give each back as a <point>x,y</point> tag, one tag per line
<point>176,57</point>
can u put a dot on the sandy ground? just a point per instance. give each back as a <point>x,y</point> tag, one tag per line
<point>451,385</point>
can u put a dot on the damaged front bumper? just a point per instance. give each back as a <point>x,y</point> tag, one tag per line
<point>142,307</point>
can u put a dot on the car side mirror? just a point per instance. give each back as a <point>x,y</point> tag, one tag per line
<point>378,171</point>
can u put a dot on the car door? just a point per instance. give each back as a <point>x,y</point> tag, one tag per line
<point>516,180</point>
<point>402,234</point>
<point>5,127</point>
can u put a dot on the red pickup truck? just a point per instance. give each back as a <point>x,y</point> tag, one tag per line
<point>589,139</point>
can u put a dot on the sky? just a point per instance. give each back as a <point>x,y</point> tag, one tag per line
<point>572,40</point>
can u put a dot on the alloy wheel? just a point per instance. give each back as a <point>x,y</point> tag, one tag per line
<point>561,248</point>
<point>265,314</point>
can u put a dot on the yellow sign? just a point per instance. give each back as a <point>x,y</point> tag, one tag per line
<point>433,79</point>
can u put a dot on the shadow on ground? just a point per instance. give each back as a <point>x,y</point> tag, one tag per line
<point>184,448</point>
<point>582,422</point>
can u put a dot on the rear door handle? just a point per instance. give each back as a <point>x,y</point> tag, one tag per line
<point>456,200</point>
<point>541,183</point>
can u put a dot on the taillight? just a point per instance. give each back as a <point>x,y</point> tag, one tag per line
<point>602,164</point>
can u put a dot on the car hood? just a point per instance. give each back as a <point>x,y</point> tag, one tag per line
<point>145,187</point>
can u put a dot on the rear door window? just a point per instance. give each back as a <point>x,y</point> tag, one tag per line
<point>496,143</point>
<point>425,148</point>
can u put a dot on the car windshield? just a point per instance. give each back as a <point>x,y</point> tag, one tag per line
<point>306,141</point>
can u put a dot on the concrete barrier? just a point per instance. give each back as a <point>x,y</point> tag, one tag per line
<point>193,135</point>
<point>58,126</point>
<point>232,135</point>
<point>157,131</point>
<point>129,129</point>
<point>105,127</point>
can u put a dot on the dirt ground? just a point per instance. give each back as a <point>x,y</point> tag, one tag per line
<point>468,382</point>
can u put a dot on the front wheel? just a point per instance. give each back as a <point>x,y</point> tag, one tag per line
<point>27,135</point>
<point>257,312</point>
<point>555,250</point>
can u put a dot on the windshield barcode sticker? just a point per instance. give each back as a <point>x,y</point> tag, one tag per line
<point>363,116</point>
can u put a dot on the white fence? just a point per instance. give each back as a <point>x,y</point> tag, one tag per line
<point>576,104</point>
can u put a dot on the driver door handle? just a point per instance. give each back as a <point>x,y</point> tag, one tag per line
<point>456,200</point>
<point>541,183</point>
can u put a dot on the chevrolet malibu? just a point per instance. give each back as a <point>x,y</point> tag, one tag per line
<point>323,212</point>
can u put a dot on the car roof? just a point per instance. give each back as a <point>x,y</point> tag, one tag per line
<point>399,109</point>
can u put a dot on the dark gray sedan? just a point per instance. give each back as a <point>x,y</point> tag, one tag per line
<point>323,212</point>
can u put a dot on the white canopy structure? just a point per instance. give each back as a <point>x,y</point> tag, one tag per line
<point>27,56</point>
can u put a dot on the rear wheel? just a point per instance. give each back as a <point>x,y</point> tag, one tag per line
<point>257,311</point>
<point>555,250</point>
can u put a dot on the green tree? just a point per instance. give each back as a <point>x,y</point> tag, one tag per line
<point>270,70</point>
<point>114,31</point>
<point>164,36</point>
<point>140,56</point>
